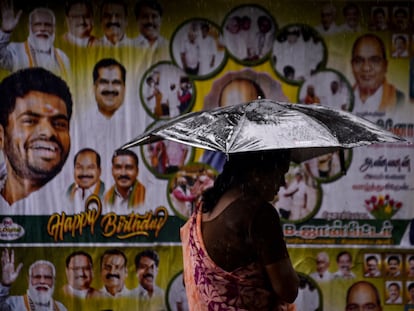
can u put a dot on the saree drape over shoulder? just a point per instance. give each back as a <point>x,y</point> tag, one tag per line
<point>209,287</point>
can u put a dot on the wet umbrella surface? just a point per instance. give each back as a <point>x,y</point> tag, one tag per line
<point>308,130</point>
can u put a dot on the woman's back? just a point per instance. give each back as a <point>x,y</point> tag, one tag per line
<point>234,238</point>
<point>209,286</point>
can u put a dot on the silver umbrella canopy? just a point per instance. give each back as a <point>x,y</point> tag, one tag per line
<point>263,124</point>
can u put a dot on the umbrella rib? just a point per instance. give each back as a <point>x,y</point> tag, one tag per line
<point>235,132</point>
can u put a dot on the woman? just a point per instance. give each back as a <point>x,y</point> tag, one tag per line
<point>235,257</point>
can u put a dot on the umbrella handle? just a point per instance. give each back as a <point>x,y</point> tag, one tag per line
<point>342,161</point>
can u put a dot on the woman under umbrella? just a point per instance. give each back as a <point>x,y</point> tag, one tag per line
<point>235,257</point>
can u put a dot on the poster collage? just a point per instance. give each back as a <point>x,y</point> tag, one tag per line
<point>82,78</point>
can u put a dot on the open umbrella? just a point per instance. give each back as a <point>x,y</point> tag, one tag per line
<point>263,124</point>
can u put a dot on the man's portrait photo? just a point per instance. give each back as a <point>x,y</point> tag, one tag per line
<point>35,112</point>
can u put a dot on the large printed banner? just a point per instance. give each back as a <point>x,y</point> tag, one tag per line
<point>102,225</point>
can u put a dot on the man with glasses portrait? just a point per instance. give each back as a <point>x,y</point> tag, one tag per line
<point>79,21</point>
<point>79,274</point>
<point>369,66</point>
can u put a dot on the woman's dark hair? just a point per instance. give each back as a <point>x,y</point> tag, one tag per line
<point>237,170</point>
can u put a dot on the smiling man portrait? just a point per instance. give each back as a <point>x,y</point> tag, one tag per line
<point>35,110</point>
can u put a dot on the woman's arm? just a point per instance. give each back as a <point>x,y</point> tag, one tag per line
<point>267,236</point>
<point>284,279</point>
